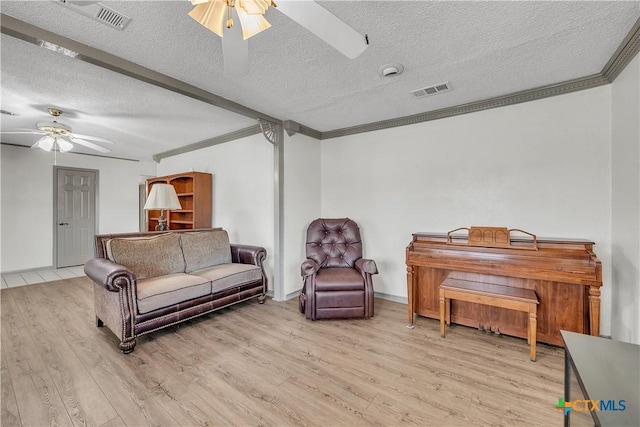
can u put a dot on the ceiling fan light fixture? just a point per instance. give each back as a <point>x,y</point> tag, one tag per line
<point>253,7</point>
<point>63,145</point>
<point>211,14</point>
<point>251,24</point>
<point>54,127</point>
<point>45,143</point>
<point>59,137</point>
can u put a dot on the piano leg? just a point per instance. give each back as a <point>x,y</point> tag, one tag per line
<point>443,311</point>
<point>594,310</point>
<point>410,296</point>
<point>533,325</point>
<point>447,311</point>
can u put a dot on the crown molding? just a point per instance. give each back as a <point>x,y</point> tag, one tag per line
<point>221,139</point>
<point>473,107</point>
<point>627,50</point>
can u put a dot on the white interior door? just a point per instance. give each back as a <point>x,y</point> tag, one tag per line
<point>75,216</point>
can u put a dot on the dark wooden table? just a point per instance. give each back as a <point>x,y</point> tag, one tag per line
<point>608,375</point>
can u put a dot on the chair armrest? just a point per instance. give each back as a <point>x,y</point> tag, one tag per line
<point>309,267</point>
<point>114,277</point>
<point>245,254</point>
<point>366,266</point>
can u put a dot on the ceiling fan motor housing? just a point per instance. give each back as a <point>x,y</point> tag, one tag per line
<point>54,127</point>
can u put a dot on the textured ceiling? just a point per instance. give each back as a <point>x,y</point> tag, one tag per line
<point>484,49</point>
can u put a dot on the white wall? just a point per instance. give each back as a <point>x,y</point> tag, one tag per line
<point>625,114</point>
<point>243,189</point>
<point>301,203</point>
<point>542,166</point>
<point>27,201</point>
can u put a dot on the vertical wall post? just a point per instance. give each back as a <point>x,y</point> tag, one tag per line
<point>278,215</point>
<point>274,133</point>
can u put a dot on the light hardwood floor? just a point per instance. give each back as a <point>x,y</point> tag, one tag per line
<point>263,365</point>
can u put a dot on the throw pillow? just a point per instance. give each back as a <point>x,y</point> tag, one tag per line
<point>148,256</point>
<point>204,249</point>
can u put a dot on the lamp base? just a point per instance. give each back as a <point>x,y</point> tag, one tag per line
<point>162,226</point>
<point>162,222</point>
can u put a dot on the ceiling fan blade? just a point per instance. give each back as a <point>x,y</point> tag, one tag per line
<point>325,25</point>
<point>235,51</point>
<point>31,132</point>
<point>92,138</point>
<point>89,145</point>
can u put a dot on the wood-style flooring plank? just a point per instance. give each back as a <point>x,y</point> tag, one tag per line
<point>20,353</point>
<point>10,416</point>
<point>34,391</point>
<point>131,399</point>
<point>39,402</point>
<point>82,397</point>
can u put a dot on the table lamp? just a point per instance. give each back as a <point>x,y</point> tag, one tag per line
<point>162,196</point>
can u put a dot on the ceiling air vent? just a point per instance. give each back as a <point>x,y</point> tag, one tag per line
<point>97,12</point>
<point>431,90</point>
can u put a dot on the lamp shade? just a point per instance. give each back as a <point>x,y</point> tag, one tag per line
<point>162,196</point>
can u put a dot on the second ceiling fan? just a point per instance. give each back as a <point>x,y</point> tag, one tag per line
<point>216,15</point>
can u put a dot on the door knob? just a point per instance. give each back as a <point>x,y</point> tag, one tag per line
<point>64,223</point>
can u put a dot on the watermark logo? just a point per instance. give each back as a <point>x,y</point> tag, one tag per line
<point>591,405</point>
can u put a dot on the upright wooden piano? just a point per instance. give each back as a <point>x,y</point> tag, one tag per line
<point>565,274</point>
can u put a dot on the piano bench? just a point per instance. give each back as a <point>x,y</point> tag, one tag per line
<point>488,294</point>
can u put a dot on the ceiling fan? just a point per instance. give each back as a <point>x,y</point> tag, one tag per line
<point>214,14</point>
<point>59,137</point>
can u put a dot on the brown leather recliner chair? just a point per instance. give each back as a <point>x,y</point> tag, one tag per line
<point>337,280</point>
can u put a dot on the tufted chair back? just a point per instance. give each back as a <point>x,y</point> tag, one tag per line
<point>334,242</point>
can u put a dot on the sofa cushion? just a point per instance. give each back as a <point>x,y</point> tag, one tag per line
<point>203,249</point>
<point>163,291</point>
<point>148,256</point>
<point>227,276</point>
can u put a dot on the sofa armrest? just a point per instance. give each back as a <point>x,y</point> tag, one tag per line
<point>309,267</point>
<point>245,254</point>
<point>366,266</point>
<point>109,274</point>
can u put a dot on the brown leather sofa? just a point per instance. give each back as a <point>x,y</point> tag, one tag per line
<point>337,280</point>
<point>147,281</point>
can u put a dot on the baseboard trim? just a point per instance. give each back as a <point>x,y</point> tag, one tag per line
<point>27,270</point>
<point>292,295</point>
<point>389,297</point>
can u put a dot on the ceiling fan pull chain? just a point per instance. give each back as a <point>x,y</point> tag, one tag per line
<point>230,5</point>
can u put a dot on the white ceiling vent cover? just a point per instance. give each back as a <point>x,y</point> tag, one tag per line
<point>431,90</point>
<point>97,12</point>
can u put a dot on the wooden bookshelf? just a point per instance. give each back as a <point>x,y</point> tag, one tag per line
<point>194,190</point>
